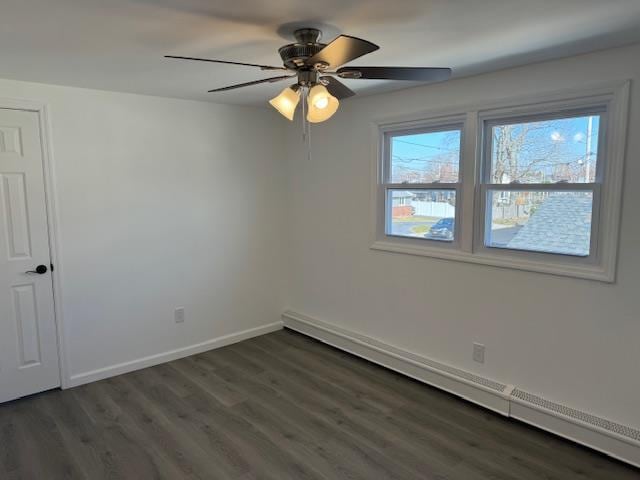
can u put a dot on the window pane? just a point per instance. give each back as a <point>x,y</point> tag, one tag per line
<point>552,222</point>
<point>425,157</point>
<point>549,151</point>
<point>423,214</point>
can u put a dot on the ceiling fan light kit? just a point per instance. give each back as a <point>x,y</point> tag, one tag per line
<point>316,65</point>
<point>321,105</point>
<point>287,101</point>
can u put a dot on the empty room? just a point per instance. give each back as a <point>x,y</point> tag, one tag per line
<point>295,240</point>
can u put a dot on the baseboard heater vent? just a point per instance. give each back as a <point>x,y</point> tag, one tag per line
<point>599,422</point>
<point>614,439</point>
<point>493,385</point>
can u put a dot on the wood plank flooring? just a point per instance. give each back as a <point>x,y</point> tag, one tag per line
<point>280,406</point>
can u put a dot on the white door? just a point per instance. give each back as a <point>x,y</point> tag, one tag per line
<point>28,342</point>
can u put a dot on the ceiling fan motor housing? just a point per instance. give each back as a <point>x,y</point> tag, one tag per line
<point>294,54</point>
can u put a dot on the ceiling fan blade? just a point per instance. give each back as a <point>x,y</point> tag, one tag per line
<point>337,88</point>
<point>263,67</point>
<point>342,50</point>
<point>416,74</point>
<point>255,82</point>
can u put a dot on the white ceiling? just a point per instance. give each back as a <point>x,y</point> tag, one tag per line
<point>119,44</point>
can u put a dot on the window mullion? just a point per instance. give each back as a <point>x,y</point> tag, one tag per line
<point>469,166</point>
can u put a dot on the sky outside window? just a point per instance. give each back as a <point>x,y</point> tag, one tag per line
<point>432,157</point>
<point>550,151</point>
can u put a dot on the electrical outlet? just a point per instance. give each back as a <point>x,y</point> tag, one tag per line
<point>478,352</point>
<point>178,315</point>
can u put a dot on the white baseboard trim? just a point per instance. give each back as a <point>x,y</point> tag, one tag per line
<point>616,440</point>
<point>130,366</point>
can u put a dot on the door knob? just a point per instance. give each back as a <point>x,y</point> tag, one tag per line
<point>40,269</point>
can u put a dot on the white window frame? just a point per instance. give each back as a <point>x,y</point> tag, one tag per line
<point>611,98</point>
<point>485,186</point>
<point>386,186</point>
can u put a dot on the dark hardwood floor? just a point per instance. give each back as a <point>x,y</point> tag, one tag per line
<point>281,406</point>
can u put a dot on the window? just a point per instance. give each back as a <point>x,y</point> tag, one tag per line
<point>533,186</point>
<point>541,178</point>
<point>421,182</point>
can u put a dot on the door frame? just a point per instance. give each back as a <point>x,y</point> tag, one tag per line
<point>42,110</point>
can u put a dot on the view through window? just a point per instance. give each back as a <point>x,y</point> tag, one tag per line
<point>541,183</point>
<point>426,168</point>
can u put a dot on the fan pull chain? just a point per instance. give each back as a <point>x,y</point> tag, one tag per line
<point>308,141</point>
<point>306,125</point>
<point>304,114</point>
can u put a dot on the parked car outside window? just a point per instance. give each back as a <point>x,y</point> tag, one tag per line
<point>442,230</point>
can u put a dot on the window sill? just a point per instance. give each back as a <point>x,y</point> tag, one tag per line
<point>588,272</point>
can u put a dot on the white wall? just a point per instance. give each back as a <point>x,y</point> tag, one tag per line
<point>162,203</point>
<point>572,341</point>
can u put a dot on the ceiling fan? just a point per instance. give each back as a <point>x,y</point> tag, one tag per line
<point>315,66</point>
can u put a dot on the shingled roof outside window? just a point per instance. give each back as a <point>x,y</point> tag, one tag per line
<point>561,224</point>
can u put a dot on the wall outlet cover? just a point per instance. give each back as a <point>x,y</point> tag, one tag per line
<point>478,352</point>
<point>178,315</point>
